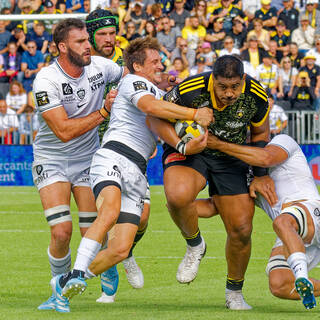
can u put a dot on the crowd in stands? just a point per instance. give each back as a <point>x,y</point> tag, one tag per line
<point>278,41</point>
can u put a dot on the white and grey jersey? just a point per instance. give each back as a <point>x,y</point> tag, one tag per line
<point>53,88</point>
<point>128,123</point>
<point>293,178</point>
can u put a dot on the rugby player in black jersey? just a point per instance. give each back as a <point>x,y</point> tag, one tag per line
<point>240,108</point>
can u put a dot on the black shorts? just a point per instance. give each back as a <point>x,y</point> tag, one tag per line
<point>225,175</point>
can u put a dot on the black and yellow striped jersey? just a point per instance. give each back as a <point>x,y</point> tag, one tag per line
<point>231,122</point>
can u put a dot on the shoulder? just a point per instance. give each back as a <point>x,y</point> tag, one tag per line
<point>255,89</point>
<point>286,143</point>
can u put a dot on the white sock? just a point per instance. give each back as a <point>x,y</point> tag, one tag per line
<point>298,264</point>
<point>87,251</point>
<point>59,265</point>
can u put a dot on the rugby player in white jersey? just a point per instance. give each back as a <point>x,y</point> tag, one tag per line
<point>102,27</point>
<point>118,168</point>
<point>69,95</point>
<point>295,214</point>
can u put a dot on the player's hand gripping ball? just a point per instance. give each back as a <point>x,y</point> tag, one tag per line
<point>188,129</point>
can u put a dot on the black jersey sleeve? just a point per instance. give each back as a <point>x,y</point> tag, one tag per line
<point>260,96</point>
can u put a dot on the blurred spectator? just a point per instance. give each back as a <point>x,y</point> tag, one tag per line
<point>238,34</point>
<point>74,6</point>
<point>19,38</point>
<point>53,54</point>
<point>9,124</point>
<point>31,63</point>
<point>250,7</point>
<point>268,74</point>
<point>116,9</point>
<point>201,11</point>
<point>182,51</point>
<point>303,36</point>
<point>289,15</point>
<point>16,97</point>
<point>179,16</point>
<point>315,52</point>
<point>167,36</point>
<point>130,30</point>
<point>216,35</point>
<point>28,123</point>
<point>274,51</point>
<point>267,14</point>
<point>262,34</point>
<point>166,5</point>
<point>314,75</point>
<point>156,14</point>
<point>200,67</point>
<point>59,5</point>
<point>12,61</point>
<point>26,8</point>
<point>228,47</point>
<point>137,15</point>
<point>179,69</point>
<point>194,34</point>
<point>86,6</point>
<point>287,78</point>
<point>253,54</point>
<point>4,37</point>
<point>228,11</point>
<point>277,118</point>
<point>208,54</point>
<point>50,8</point>
<point>312,14</point>
<point>9,25</point>
<point>281,35</point>
<point>150,29</point>
<point>5,4</point>
<point>295,56</point>
<point>303,95</point>
<point>40,36</point>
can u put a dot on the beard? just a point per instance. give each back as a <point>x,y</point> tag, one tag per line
<point>106,53</point>
<point>77,59</point>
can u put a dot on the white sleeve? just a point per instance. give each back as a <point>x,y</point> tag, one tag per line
<point>286,143</point>
<point>46,93</point>
<point>112,71</point>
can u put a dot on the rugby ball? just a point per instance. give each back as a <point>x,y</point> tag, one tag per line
<point>188,129</point>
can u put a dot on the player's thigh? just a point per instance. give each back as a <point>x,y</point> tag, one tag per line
<point>236,211</point>
<point>55,194</point>
<point>84,198</point>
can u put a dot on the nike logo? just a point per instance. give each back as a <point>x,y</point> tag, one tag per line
<point>80,105</point>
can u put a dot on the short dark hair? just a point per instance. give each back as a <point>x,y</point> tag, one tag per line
<point>136,51</point>
<point>61,32</point>
<point>228,66</point>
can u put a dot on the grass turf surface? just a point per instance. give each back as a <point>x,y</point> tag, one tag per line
<point>25,276</point>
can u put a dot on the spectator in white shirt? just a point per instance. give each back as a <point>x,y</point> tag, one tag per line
<point>16,97</point>
<point>9,124</point>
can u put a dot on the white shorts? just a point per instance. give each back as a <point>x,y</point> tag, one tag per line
<point>312,249</point>
<point>46,172</point>
<point>110,168</point>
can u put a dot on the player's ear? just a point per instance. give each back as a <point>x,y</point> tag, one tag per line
<point>137,67</point>
<point>62,47</point>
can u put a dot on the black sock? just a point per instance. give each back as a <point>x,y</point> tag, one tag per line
<point>137,238</point>
<point>194,240</point>
<point>71,274</point>
<point>234,285</point>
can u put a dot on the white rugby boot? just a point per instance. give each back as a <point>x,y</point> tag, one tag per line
<point>235,300</point>
<point>133,272</point>
<point>189,266</point>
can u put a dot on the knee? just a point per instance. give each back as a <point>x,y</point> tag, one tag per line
<point>121,251</point>
<point>241,232</point>
<point>278,287</point>
<point>281,223</point>
<point>178,198</point>
<point>61,233</point>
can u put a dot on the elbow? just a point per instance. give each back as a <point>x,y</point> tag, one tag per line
<point>64,136</point>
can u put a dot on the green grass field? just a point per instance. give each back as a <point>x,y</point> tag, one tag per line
<point>25,276</point>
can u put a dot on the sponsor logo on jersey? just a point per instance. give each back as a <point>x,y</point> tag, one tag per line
<point>42,98</point>
<point>97,85</point>
<point>153,90</point>
<point>81,105</point>
<point>42,175</point>
<point>172,96</point>
<point>114,173</point>
<point>39,169</point>
<point>66,89</point>
<point>81,93</point>
<point>95,77</point>
<point>140,203</point>
<point>316,212</point>
<point>139,85</point>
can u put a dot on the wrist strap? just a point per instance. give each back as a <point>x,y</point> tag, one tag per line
<point>104,112</point>
<point>181,147</point>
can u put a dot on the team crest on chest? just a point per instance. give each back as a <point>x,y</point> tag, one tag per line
<point>239,113</point>
<point>66,89</point>
<point>81,93</point>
